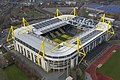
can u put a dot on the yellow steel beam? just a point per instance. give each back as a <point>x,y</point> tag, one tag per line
<point>57,13</point>
<point>43,49</point>
<point>10,35</point>
<point>108,27</point>
<point>102,18</point>
<point>37,61</point>
<point>59,45</point>
<point>82,58</point>
<point>54,47</point>
<point>43,53</point>
<point>67,45</point>
<point>74,12</point>
<point>25,23</point>
<point>110,31</point>
<point>27,29</point>
<point>78,49</point>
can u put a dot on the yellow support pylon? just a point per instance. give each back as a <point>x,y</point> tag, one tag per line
<point>43,49</point>
<point>102,18</point>
<point>110,31</point>
<point>57,13</point>
<point>74,12</point>
<point>10,35</point>
<point>109,24</point>
<point>24,21</point>
<point>108,27</point>
<point>78,49</point>
<point>43,52</point>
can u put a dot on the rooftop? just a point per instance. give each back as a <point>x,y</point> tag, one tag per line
<point>58,30</point>
<point>109,8</point>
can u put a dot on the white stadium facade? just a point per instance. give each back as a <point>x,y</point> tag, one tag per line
<point>65,28</point>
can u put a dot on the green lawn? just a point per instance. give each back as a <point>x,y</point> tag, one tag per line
<point>111,67</point>
<point>14,73</point>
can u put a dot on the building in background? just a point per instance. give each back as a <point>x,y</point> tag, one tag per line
<point>112,10</point>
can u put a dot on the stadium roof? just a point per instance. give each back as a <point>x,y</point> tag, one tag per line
<point>108,8</point>
<point>34,40</point>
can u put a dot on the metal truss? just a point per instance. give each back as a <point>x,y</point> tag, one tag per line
<point>74,12</point>
<point>57,13</point>
<point>42,51</point>
<point>108,31</point>
<point>10,35</point>
<point>25,23</point>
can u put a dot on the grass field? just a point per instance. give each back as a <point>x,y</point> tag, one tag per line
<point>14,73</point>
<point>111,67</point>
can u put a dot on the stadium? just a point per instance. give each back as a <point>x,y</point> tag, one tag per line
<point>62,41</point>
